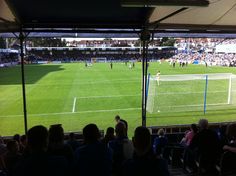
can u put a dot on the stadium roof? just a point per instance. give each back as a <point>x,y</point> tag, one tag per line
<point>104,16</point>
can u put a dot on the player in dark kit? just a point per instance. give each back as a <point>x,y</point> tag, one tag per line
<point>174,64</point>
<point>111,65</point>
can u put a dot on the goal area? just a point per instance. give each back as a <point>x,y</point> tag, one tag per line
<point>190,92</point>
<point>98,60</point>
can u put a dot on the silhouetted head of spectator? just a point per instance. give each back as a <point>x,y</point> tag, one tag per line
<point>56,134</point>
<point>91,133</point>
<point>194,128</point>
<point>117,118</point>
<point>120,129</point>
<point>16,137</point>
<point>142,140</point>
<point>203,124</point>
<point>72,136</point>
<point>37,138</point>
<point>13,146</point>
<point>161,132</point>
<point>110,131</point>
<point>1,140</point>
<point>231,131</point>
<point>23,140</point>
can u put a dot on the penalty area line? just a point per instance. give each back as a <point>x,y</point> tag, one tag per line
<point>74,103</point>
<point>78,112</point>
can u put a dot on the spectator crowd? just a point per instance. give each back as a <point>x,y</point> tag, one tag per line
<point>46,152</point>
<point>185,50</point>
<point>207,59</point>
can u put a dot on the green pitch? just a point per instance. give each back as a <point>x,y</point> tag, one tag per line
<point>74,96</point>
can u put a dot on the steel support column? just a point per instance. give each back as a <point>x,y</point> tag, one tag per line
<point>145,38</point>
<point>21,38</point>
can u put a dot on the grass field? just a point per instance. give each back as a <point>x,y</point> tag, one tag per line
<point>74,96</point>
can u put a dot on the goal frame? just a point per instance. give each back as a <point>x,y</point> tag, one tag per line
<point>206,77</point>
<point>98,60</point>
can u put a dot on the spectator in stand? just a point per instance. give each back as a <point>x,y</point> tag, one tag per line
<point>229,157</point>
<point>109,136</point>
<point>23,143</point>
<point>12,157</point>
<point>160,142</point>
<point>221,132</point>
<point>38,162</point>
<point>121,146</point>
<point>3,147</point>
<point>206,145</point>
<point>118,119</point>
<point>16,137</point>
<point>73,142</point>
<point>93,158</point>
<point>56,146</point>
<point>231,133</point>
<point>189,135</point>
<point>188,155</point>
<point>3,150</point>
<point>144,161</point>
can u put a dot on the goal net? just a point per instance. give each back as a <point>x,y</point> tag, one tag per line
<point>98,59</point>
<point>191,92</point>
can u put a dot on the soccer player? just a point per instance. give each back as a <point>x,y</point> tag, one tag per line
<point>158,78</point>
<point>174,61</point>
<point>111,65</point>
<point>130,66</point>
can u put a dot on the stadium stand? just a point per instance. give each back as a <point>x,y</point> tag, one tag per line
<point>207,51</point>
<point>173,152</point>
<point>39,158</point>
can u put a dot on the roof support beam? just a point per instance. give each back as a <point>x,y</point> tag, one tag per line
<point>145,38</point>
<point>13,11</point>
<point>155,24</point>
<point>22,38</point>
<point>154,3</point>
<point>5,20</point>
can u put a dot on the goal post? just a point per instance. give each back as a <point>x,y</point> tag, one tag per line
<point>191,92</point>
<point>151,94</point>
<point>230,89</point>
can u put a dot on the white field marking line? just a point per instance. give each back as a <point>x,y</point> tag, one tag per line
<point>109,96</point>
<point>158,93</point>
<point>166,93</point>
<point>74,103</point>
<point>215,104</point>
<point>211,74</point>
<point>91,82</point>
<point>79,112</point>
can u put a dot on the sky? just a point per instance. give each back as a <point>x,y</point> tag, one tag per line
<point>79,39</point>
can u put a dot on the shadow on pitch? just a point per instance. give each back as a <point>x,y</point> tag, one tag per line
<point>33,73</point>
